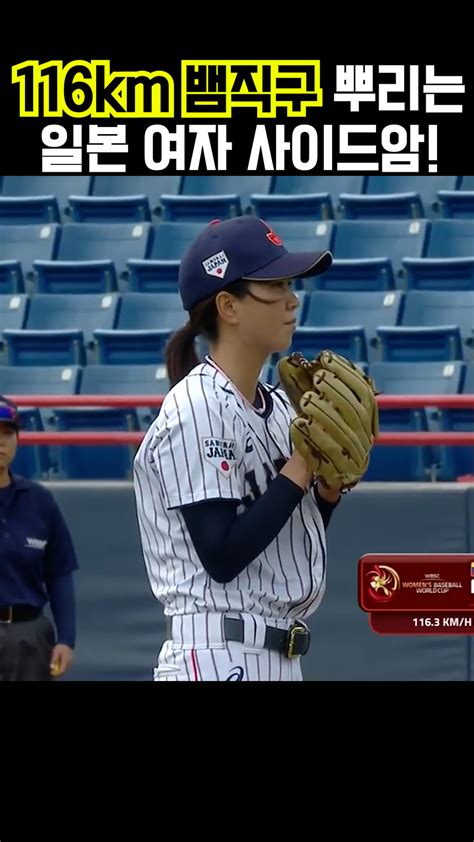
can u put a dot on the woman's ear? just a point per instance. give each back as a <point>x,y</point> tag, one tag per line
<point>226,308</point>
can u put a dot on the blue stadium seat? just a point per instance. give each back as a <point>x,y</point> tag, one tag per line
<point>349,341</point>
<point>451,238</point>
<point>96,248</point>
<point>427,378</point>
<point>81,312</point>
<point>123,198</point>
<point>132,347</point>
<point>305,196</point>
<point>458,460</point>
<point>397,197</point>
<point>30,199</point>
<point>79,277</point>
<point>159,273</point>
<point>40,380</point>
<point>171,239</point>
<point>44,347</point>
<point>420,344</point>
<point>13,312</point>
<point>31,461</point>
<point>207,197</point>
<point>440,273</point>
<point>149,311</point>
<point>458,203</point>
<point>152,275</point>
<point>127,380</point>
<point>96,462</point>
<point>425,307</point>
<point>468,385</point>
<point>401,463</point>
<point>20,246</point>
<point>28,210</point>
<point>366,310</point>
<point>442,266</point>
<point>133,208</point>
<point>389,239</point>
<point>368,275</point>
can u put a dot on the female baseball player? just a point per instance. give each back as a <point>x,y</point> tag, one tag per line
<point>232,527</point>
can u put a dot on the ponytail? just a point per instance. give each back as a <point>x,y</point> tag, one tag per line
<point>180,354</point>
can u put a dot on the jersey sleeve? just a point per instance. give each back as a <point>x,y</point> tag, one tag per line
<point>198,450</point>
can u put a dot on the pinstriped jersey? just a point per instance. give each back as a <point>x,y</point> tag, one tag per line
<point>209,442</point>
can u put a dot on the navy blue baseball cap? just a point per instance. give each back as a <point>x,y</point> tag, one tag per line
<point>9,413</point>
<point>243,247</point>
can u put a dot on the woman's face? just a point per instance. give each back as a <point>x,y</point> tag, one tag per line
<point>8,444</point>
<point>267,315</point>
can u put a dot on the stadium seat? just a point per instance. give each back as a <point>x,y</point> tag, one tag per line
<point>96,462</point>
<point>440,273</point>
<point>123,198</point>
<point>366,310</point>
<point>427,378</point>
<point>20,246</point>
<point>304,196</point>
<point>448,262</point>
<point>420,344</point>
<point>397,197</point>
<point>33,199</point>
<point>127,380</point>
<point>81,312</point>
<point>458,460</point>
<point>149,311</point>
<point>96,251</point>
<point>392,240</point>
<point>132,347</point>
<point>153,275</point>
<point>349,341</point>
<point>44,347</point>
<point>435,326</point>
<point>207,197</point>
<point>368,275</point>
<point>400,463</point>
<point>40,380</point>
<point>159,273</point>
<point>13,312</point>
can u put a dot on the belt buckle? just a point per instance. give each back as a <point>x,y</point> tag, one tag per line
<point>10,616</point>
<point>298,629</point>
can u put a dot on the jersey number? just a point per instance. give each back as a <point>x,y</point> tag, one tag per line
<point>250,477</point>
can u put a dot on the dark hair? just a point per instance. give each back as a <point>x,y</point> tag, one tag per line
<point>180,352</point>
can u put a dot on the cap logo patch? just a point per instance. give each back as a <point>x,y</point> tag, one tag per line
<point>274,238</point>
<point>216,265</point>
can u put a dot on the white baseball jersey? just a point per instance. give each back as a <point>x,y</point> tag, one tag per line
<point>209,442</point>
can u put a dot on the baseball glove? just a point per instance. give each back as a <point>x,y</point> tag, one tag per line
<point>337,416</point>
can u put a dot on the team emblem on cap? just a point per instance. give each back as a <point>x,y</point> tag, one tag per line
<point>216,265</point>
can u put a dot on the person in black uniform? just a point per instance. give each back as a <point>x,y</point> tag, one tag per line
<point>37,560</point>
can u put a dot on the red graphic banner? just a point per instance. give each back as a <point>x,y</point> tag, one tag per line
<point>403,622</point>
<point>418,593</point>
<point>416,582</point>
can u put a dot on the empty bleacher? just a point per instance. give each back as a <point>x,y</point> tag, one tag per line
<point>88,295</point>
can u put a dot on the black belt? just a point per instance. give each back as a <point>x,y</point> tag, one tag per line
<point>290,642</point>
<point>18,613</point>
